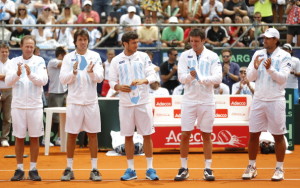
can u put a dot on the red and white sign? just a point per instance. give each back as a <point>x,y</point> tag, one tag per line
<point>177,113</point>
<point>221,113</point>
<point>222,136</point>
<point>163,102</point>
<point>238,101</point>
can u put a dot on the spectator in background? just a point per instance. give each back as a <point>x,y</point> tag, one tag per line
<point>155,67</point>
<point>37,51</point>
<point>230,69</point>
<point>112,31</point>
<point>179,90</point>
<point>278,10</point>
<point>171,8</point>
<point>216,36</point>
<point>292,81</point>
<point>168,71</point>
<point>148,35</point>
<point>125,4</point>
<point>46,3</point>
<point>7,10</point>
<point>257,31</point>
<point>211,9</point>
<point>29,7</point>
<point>66,16</point>
<point>190,10</point>
<point>57,91</point>
<point>6,96</point>
<point>243,87</point>
<point>48,17</point>
<point>87,12</point>
<point>233,8</point>
<point>17,35</point>
<point>157,90</point>
<point>265,8</point>
<point>131,18</point>
<point>41,34</point>
<point>24,17</point>
<point>104,6</point>
<point>94,33</point>
<point>188,30</point>
<point>63,35</point>
<point>293,17</point>
<point>172,36</point>
<point>151,8</point>
<point>221,89</point>
<point>236,31</point>
<point>110,54</point>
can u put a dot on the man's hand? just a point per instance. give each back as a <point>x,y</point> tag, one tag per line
<point>268,63</point>
<point>226,68</point>
<point>75,67</point>
<point>174,68</point>
<point>123,88</point>
<point>193,73</point>
<point>90,67</point>
<point>19,71</point>
<point>257,62</point>
<point>139,82</point>
<point>27,68</point>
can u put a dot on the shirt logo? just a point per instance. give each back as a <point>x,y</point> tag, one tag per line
<point>73,59</point>
<point>190,56</point>
<point>121,62</point>
<point>238,101</point>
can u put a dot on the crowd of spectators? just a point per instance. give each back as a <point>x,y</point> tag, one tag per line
<point>131,14</point>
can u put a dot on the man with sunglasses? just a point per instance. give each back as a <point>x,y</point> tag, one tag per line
<point>216,36</point>
<point>168,71</point>
<point>230,69</point>
<point>269,68</point>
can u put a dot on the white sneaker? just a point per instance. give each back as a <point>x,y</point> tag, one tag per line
<point>278,175</point>
<point>4,143</point>
<point>249,173</point>
<point>50,144</point>
<point>57,142</point>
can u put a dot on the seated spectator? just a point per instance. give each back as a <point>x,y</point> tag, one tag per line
<point>7,10</point>
<point>125,4</point>
<point>233,8</point>
<point>278,10</point>
<point>148,35</point>
<point>221,89</point>
<point>190,11</point>
<point>216,36</point>
<point>156,90</point>
<point>104,7</point>
<point>153,65</point>
<point>47,17</point>
<point>211,9</point>
<point>110,54</point>
<point>131,18</point>
<point>236,31</point>
<point>87,12</point>
<point>151,8</point>
<point>188,30</point>
<point>243,87</point>
<point>179,90</point>
<point>67,16</point>
<point>168,71</point>
<point>94,33</point>
<point>23,16</point>
<point>230,69</point>
<point>46,3</point>
<point>293,17</point>
<point>112,31</point>
<point>265,8</point>
<point>29,7</point>
<point>256,34</point>
<point>18,34</point>
<point>63,35</point>
<point>172,36</point>
<point>170,9</point>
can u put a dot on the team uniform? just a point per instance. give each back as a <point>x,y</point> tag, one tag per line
<point>83,112</point>
<point>135,106</point>
<point>268,107</point>
<point>292,82</point>
<point>27,105</point>
<point>198,100</point>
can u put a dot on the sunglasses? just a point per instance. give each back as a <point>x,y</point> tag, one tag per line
<point>226,56</point>
<point>175,54</point>
<point>243,72</point>
<point>22,9</point>
<point>256,17</point>
<point>47,10</point>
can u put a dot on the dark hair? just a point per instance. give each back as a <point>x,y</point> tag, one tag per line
<point>226,50</point>
<point>27,37</point>
<point>197,33</point>
<point>18,21</point>
<point>40,21</point>
<point>82,33</point>
<point>3,45</point>
<point>130,35</point>
<point>171,50</point>
<point>149,53</point>
<point>60,51</point>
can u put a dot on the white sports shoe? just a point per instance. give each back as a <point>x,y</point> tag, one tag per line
<point>57,142</point>
<point>278,175</point>
<point>249,173</point>
<point>50,144</point>
<point>4,143</point>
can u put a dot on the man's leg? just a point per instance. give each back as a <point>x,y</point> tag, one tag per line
<point>71,143</point>
<point>130,173</point>
<point>93,144</point>
<point>6,110</point>
<point>34,152</point>
<point>19,150</point>
<point>280,147</point>
<point>148,149</point>
<point>207,149</point>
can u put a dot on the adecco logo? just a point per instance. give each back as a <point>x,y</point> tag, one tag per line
<point>221,113</point>
<point>163,102</point>
<point>177,113</point>
<point>238,101</point>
